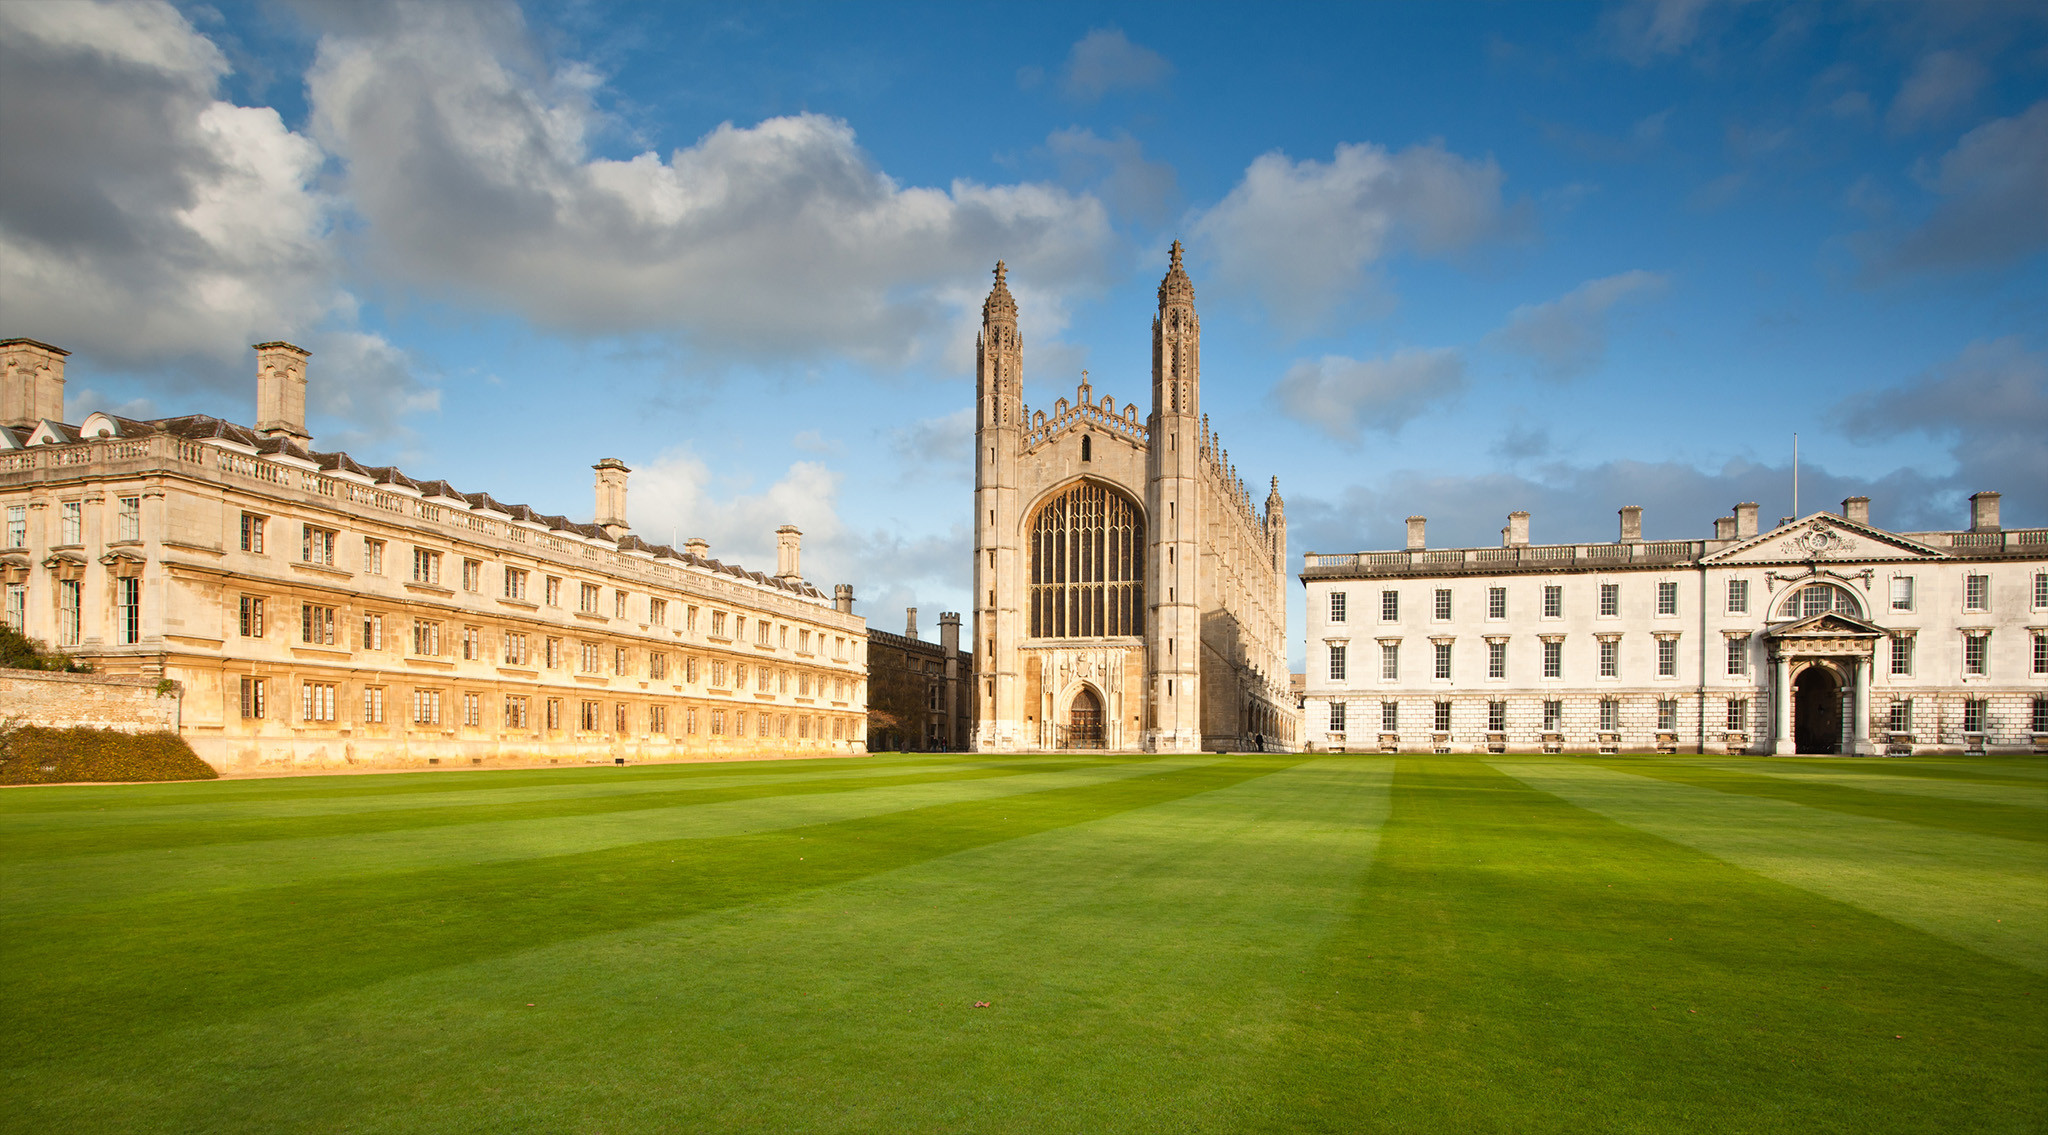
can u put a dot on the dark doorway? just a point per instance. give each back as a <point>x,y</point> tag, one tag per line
<point>1084,721</point>
<point>1817,711</point>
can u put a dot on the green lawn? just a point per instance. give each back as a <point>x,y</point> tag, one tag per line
<point>1273,943</point>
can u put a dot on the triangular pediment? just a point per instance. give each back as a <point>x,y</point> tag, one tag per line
<point>1824,538</point>
<point>1827,624</point>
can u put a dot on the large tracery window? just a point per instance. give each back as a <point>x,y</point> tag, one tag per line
<point>1087,570</point>
<point>1819,598</point>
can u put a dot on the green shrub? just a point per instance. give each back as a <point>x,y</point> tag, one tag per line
<point>20,652</point>
<point>32,754</point>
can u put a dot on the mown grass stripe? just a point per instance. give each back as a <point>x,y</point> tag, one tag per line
<point>162,964</point>
<point>1516,964</point>
<point>1977,817</point>
<point>2005,793</point>
<point>1981,892</point>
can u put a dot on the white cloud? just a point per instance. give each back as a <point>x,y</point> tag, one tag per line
<point>1301,235</point>
<point>944,444</point>
<point>1105,60</point>
<point>473,171</point>
<point>1942,83</point>
<point>1341,396</point>
<point>1118,170</point>
<point>1646,29</point>
<point>1992,185</point>
<point>1567,336</point>
<point>1990,401</point>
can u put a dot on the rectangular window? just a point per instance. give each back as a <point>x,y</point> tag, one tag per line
<point>16,612</point>
<point>1336,664</point>
<point>316,545</point>
<point>373,705</point>
<point>690,721</point>
<point>590,659</point>
<point>1610,658</point>
<point>2040,652</point>
<point>1667,658</point>
<point>1390,660</point>
<point>515,583</point>
<point>2041,590</point>
<point>1738,597</point>
<point>1390,606</point>
<point>373,556</point>
<point>717,723</point>
<point>71,522</point>
<point>316,701</point>
<point>1738,657</point>
<point>1443,659</point>
<point>17,526</point>
<point>761,636</point>
<point>1902,655</point>
<point>588,597</point>
<point>553,590</point>
<point>1667,714</point>
<point>69,601</point>
<point>618,604</point>
<point>473,710</point>
<point>1443,604</point>
<point>552,708</point>
<point>1496,717</point>
<point>472,644</point>
<point>472,575</point>
<point>1496,660</point>
<point>803,638</point>
<point>621,662</point>
<point>426,707</point>
<point>589,718</point>
<point>515,648</point>
<point>1443,717</point>
<point>553,658</point>
<point>1975,652</point>
<point>426,638</point>
<point>657,719</point>
<point>657,612</point>
<point>2040,715</point>
<point>1738,715</point>
<point>426,566</point>
<point>373,632</point>
<point>1976,593</point>
<point>252,697</point>
<point>316,625</point>
<point>252,616</point>
<point>1553,715</point>
<point>1496,602</point>
<point>690,668</point>
<point>1553,601</point>
<point>1667,598</point>
<point>690,623</point>
<point>129,525</point>
<point>1901,720</point>
<point>515,711</point>
<point>1973,715</point>
<point>1610,715</point>
<point>1336,606</point>
<point>1610,600</point>
<point>657,665</point>
<point>1336,717</point>
<point>1902,593</point>
<point>128,610</point>
<point>252,533</point>
<point>1390,717</point>
<point>1553,659</point>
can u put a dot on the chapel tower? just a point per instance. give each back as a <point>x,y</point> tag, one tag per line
<point>998,533</point>
<point>1173,499</point>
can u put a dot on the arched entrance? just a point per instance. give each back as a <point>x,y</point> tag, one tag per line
<point>1084,721</point>
<point>1817,711</point>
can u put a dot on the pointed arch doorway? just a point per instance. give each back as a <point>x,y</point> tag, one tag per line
<point>1084,720</point>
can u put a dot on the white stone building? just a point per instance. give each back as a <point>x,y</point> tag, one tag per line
<point>319,613</point>
<point>1824,634</point>
<point>1129,592</point>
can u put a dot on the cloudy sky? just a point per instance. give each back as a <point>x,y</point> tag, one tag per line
<point>1451,260</point>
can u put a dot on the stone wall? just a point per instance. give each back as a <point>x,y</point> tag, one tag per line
<point>99,701</point>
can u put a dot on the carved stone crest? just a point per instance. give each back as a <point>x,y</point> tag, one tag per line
<point>1819,542</point>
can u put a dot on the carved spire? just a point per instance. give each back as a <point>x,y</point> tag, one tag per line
<point>1000,305</point>
<point>1176,287</point>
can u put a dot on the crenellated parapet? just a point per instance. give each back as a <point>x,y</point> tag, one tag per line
<point>1085,410</point>
<point>1224,482</point>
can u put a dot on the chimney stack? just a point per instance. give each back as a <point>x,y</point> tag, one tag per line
<point>1984,512</point>
<point>697,547</point>
<point>842,598</point>
<point>1415,533</point>
<point>611,496</point>
<point>281,391</point>
<point>1724,528</point>
<point>910,622</point>
<point>1745,520</point>
<point>1856,510</point>
<point>1516,534</point>
<point>31,383</point>
<point>1632,524</point>
<point>789,545</point>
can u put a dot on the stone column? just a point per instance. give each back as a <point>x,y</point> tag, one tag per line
<point>1781,707</point>
<point>1859,743</point>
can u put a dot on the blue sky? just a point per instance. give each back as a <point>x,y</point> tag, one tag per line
<point>1451,259</point>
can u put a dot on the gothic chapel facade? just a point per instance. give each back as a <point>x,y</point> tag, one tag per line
<point>1129,594</point>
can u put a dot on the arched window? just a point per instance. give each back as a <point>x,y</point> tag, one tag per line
<point>1087,570</point>
<point>1818,598</point>
<point>1087,447</point>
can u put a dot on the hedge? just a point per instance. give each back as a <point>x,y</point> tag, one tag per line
<point>32,754</point>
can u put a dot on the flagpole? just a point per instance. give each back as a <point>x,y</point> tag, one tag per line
<point>1795,475</point>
